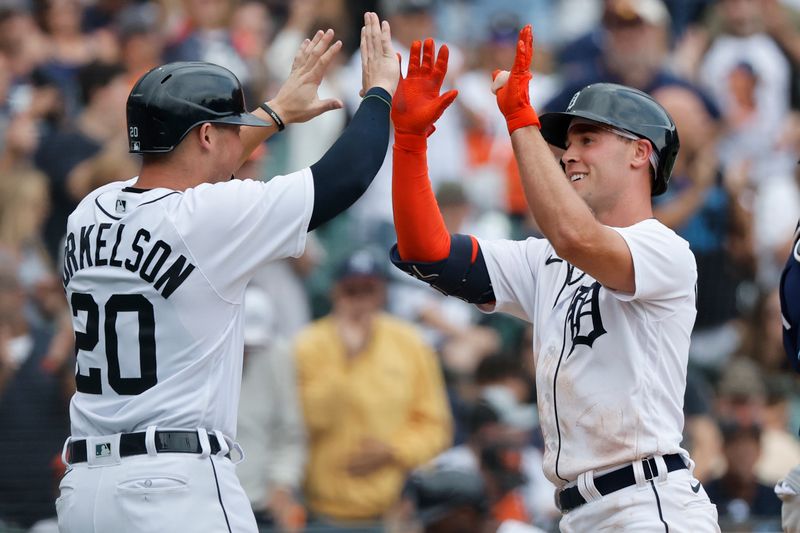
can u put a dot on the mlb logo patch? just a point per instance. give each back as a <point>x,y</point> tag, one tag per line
<point>121,206</point>
<point>135,146</point>
<point>102,450</point>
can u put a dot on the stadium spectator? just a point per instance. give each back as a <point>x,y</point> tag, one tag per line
<point>738,495</point>
<point>749,76</point>
<point>373,400</point>
<point>101,121</point>
<point>33,408</point>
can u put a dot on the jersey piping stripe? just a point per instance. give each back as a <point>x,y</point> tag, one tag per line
<point>100,207</point>
<point>219,495</point>
<point>658,504</point>
<point>159,198</point>
<point>555,403</point>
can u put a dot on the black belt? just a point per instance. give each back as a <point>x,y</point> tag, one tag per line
<point>134,444</point>
<point>569,499</point>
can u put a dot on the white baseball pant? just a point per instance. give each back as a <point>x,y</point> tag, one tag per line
<point>148,493</point>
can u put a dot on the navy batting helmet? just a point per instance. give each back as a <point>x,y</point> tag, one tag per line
<point>626,109</point>
<point>172,99</point>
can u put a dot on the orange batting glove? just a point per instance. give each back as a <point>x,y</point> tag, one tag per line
<point>512,96</point>
<point>417,104</point>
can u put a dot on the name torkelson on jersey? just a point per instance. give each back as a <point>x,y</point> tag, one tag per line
<point>92,248</point>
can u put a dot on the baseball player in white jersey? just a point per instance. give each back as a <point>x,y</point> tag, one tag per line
<point>155,270</point>
<point>610,291</point>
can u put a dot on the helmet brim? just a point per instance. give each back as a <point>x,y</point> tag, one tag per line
<point>244,119</point>
<point>556,125</point>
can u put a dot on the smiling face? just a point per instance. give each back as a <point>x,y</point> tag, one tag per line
<point>601,164</point>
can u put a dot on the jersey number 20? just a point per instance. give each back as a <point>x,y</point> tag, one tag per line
<point>118,303</point>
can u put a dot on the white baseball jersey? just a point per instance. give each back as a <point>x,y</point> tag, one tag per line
<point>610,366</point>
<point>156,279</point>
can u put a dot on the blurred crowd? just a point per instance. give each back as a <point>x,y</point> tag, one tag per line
<point>369,401</point>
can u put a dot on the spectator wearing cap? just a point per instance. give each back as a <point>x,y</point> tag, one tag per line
<point>742,393</point>
<point>270,426</point>
<point>634,51</point>
<point>373,398</point>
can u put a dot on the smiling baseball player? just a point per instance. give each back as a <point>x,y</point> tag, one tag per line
<point>610,291</point>
<point>155,270</point>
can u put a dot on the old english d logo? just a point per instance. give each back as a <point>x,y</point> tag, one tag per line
<point>583,316</point>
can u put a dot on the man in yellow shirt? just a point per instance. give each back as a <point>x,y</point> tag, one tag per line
<point>373,398</point>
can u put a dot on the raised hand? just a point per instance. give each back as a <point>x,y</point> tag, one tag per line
<point>417,103</point>
<point>379,66</point>
<point>297,100</point>
<point>511,88</point>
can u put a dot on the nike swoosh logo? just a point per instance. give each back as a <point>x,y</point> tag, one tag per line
<point>695,488</point>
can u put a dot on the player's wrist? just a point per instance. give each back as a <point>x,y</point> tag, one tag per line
<point>376,91</point>
<point>277,113</point>
<point>411,141</point>
<point>520,118</point>
<point>387,85</point>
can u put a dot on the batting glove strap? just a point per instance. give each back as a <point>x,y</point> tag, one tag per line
<point>521,118</point>
<point>411,142</point>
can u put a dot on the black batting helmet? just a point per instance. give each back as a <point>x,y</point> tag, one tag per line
<point>172,99</point>
<point>626,109</point>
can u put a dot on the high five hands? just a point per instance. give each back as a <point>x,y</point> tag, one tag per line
<point>379,67</point>
<point>511,88</point>
<point>417,103</point>
<point>297,100</point>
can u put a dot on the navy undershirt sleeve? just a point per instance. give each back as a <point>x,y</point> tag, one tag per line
<point>345,171</point>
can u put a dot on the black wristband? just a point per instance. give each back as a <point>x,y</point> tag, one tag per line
<point>274,116</point>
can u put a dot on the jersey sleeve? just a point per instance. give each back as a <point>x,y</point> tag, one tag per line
<point>664,266</point>
<point>234,227</point>
<point>513,270</point>
<point>790,303</point>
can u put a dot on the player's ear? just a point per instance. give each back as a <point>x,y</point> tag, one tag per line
<point>642,151</point>
<point>205,133</point>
